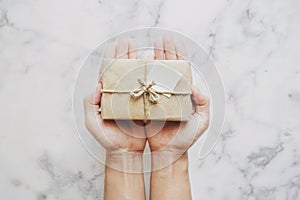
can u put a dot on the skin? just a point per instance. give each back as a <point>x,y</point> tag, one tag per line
<point>109,135</point>
<point>168,141</point>
<point>123,151</point>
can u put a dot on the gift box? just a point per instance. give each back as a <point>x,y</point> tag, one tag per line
<point>136,89</point>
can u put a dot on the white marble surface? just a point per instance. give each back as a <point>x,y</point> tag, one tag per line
<point>254,43</point>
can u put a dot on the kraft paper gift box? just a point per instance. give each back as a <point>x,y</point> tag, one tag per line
<point>146,90</point>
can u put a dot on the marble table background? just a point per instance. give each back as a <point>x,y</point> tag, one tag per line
<point>254,43</point>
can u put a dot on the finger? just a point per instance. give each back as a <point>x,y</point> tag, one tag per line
<point>94,98</point>
<point>158,50</point>
<point>198,98</point>
<point>169,47</point>
<point>181,51</point>
<point>122,48</point>
<point>132,49</point>
<point>110,50</point>
<point>98,94</point>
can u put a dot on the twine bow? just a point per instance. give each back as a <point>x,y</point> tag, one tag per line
<point>145,89</point>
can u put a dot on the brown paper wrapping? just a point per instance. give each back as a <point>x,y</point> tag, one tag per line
<point>122,75</point>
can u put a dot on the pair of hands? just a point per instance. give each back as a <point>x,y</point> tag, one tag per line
<point>166,139</point>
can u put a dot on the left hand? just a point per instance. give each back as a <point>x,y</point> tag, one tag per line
<point>175,138</point>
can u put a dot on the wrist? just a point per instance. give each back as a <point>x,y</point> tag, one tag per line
<point>173,180</point>
<point>178,168</point>
<point>131,162</point>
<point>164,158</point>
<point>123,175</point>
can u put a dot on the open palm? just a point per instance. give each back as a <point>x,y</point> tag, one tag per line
<point>114,136</point>
<point>174,138</point>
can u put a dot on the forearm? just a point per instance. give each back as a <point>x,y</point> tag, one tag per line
<point>120,181</point>
<point>171,182</point>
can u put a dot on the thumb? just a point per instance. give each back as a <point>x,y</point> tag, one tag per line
<point>93,100</point>
<point>200,101</point>
<point>198,98</point>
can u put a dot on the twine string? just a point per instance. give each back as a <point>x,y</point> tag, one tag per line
<point>154,95</point>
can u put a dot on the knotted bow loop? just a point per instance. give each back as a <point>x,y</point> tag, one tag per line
<point>145,89</point>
